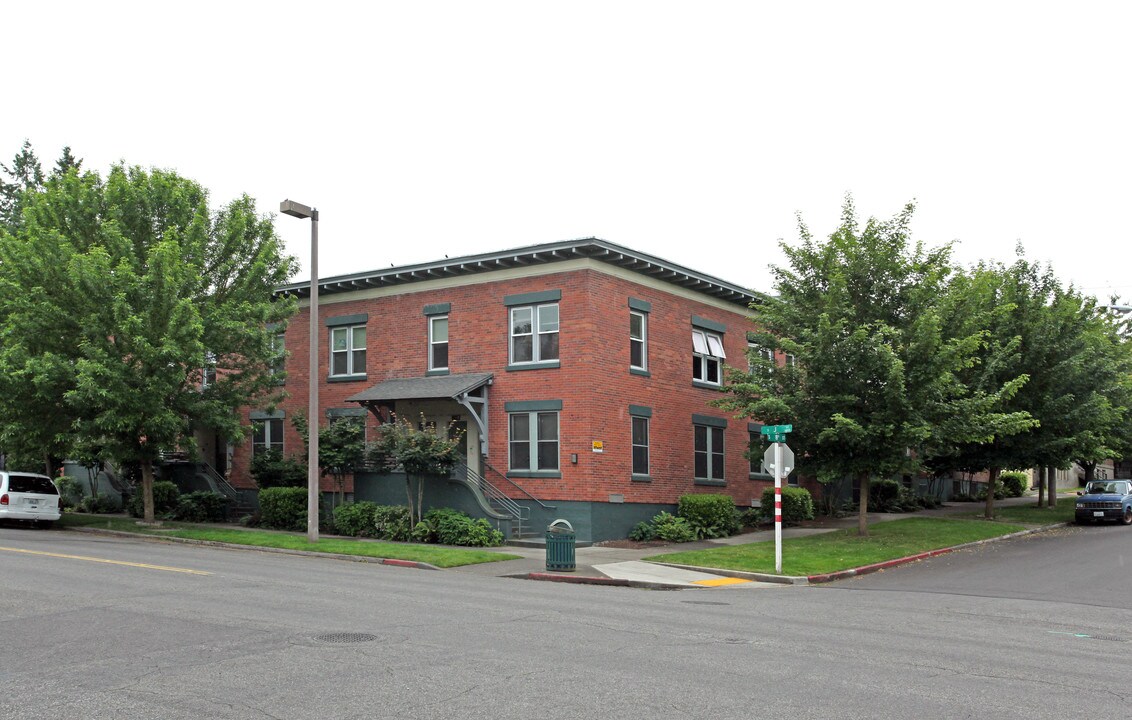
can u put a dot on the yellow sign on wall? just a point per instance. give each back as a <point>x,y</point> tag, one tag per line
<point>599,446</point>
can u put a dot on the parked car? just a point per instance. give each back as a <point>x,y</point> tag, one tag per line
<point>28,497</point>
<point>1105,500</point>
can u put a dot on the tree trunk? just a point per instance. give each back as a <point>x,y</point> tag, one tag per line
<point>147,490</point>
<point>1051,489</point>
<point>1090,471</point>
<point>988,512</point>
<point>863,504</point>
<point>1040,474</point>
<point>412,509</point>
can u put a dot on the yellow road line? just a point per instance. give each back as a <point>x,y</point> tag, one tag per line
<point>104,560</point>
<point>720,581</point>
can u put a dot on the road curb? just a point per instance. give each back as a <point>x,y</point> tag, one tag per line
<point>256,548</point>
<point>876,567</point>
<point>863,570</point>
<point>741,574</point>
<point>592,580</point>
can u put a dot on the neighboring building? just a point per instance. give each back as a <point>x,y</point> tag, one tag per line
<point>580,373</point>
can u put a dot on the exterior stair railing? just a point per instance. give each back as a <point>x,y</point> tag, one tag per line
<point>495,500</point>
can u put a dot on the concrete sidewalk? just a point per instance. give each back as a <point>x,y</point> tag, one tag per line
<point>599,564</point>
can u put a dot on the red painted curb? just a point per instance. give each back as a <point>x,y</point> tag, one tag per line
<point>400,563</point>
<point>866,569</point>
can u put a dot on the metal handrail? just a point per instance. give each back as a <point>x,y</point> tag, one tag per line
<point>493,495</point>
<point>520,488</point>
<point>225,487</point>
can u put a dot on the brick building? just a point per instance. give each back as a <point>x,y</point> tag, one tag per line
<point>580,373</point>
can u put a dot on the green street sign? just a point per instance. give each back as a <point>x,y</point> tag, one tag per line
<point>776,433</point>
<point>776,429</point>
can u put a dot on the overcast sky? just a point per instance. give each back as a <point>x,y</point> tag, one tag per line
<point>694,131</point>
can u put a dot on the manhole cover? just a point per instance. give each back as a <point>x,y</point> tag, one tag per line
<point>339,638</point>
<point>704,602</point>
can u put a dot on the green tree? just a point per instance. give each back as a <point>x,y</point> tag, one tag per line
<point>874,383</point>
<point>992,301</point>
<point>24,175</point>
<point>342,447</point>
<point>113,294</point>
<point>1109,355</point>
<point>421,452</point>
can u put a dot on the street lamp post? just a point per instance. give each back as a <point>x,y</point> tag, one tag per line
<point>294,209</point>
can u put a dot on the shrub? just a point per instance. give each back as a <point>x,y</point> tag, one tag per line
<point>355,519</point>
<point>391,522</point>
<point>100,505</point>
<point>283,508</point>
<point>70,492</point>
<point>999,491</point>
<point>709,515</point>
<point>452,527</point>
<point>670,528</point>
<point>642,532</point>
<point>203,506</point>
<point>1014,483</point>
<point>165,498</point>
<point>423,533</point>
<point>270,469</point>
<point>797,504</point>
<point>750,517</point>
<point>884,495</point>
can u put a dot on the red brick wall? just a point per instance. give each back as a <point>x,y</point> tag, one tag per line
<point>593,382</point>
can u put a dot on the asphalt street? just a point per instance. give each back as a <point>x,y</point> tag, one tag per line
<point>98,627</point>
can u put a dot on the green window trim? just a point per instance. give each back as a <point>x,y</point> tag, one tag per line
<point>532,298</point>
<point>709,420</point>
<point>355,319</point>
<point>532,405</point>
<point>705,324</point>
<point>346,412</point>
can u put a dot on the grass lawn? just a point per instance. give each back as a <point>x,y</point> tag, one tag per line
<point>1030,513</point>
<point>844,549</point>
<point>440,556</point>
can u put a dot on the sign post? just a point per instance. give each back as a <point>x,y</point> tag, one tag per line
<point>780,460</point>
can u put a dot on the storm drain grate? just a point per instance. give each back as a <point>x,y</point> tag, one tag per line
<point>340,638</point>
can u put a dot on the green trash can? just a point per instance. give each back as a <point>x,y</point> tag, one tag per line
<point>560,543</point>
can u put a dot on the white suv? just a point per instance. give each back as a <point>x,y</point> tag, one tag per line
<point>28,497</point>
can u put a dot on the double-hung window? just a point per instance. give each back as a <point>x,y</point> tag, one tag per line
<point>708,451</point>
<point>757,352</point>
<point>278,354</point>
<point>707,357</point>
<point>640,419</point>
<point>639,336</point>
<point>208,372</point>
<point>532,330</point>
<point>534,334</point>
<point>347,350</point>
<point>267,434</point>
<point>438,343</point>
<point>534,441</point>
<point>638,340</point>
<point>532,437</point>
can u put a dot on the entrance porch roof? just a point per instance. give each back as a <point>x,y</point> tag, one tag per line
<point>423,388</point>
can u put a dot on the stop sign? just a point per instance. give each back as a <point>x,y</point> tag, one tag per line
<point>787,460</point>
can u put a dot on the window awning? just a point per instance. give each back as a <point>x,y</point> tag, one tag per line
<point>423,388</point>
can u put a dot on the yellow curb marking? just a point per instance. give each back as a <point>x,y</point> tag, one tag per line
<point>720,581</point>
<point>104,560</point>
